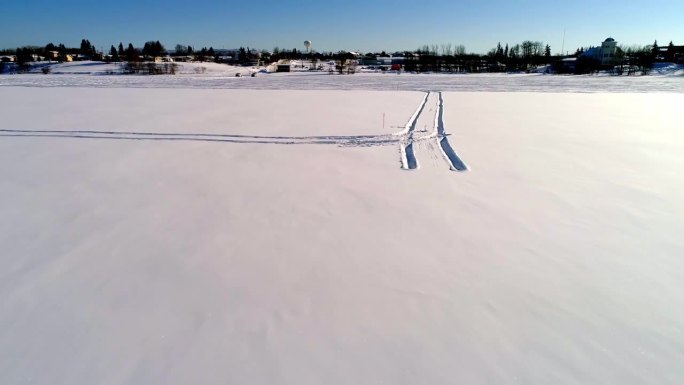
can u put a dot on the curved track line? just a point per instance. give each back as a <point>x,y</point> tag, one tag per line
<point>408,156</point>
<point>455,162</point>
<point>411,160</point>
<point>411,124</point>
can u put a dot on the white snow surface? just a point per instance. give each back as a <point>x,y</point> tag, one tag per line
<point>232,236</point>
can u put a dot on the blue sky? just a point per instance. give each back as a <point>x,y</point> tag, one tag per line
<point>340,25</point>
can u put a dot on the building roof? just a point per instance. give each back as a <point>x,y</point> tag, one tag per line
<point>609,39</point>
<point>593,51</point>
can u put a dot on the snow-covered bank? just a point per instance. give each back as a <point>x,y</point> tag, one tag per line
<point>211,75</point>
<point>95,68</point>
<point>295,257</point>
<point>668,69</point>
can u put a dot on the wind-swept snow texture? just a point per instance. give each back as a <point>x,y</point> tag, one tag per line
<point>169,236</point>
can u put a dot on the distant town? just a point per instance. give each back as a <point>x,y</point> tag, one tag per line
<point>528,56</point>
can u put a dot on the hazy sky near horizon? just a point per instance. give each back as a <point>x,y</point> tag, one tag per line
<point>353,25</point>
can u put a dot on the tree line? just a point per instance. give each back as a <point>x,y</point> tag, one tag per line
<point>524,56</point>
<point>151,49</point>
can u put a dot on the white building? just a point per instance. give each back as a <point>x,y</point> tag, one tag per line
<point>606,54</point>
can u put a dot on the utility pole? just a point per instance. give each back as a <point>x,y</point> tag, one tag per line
<point>563,46</point>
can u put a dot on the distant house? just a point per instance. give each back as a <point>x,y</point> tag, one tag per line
<point>568,65</point>
<point>233,55</point>
<point>224,58</point>
<point>183,59</point>
<point>283,66</point>
<point>52,55</point>
<point>674,53</point>
<point>383,61</point>
<point>8,58</point>
<point>369,61</point>
<point>163,59</point>
<point>606,54</point>
<point>398,60</point>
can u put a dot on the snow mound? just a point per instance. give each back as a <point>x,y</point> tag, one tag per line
<point>668,69</point>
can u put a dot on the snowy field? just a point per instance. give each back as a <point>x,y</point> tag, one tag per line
<point>173,234</point>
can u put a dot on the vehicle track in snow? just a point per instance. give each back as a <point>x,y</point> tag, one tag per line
<point>408,157</point>
<point>455,162</point>
<point>425,136</point>
<point>433,141</point>
<point>342,141</point>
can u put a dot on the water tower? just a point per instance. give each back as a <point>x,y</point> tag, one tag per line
<point>307,45</point>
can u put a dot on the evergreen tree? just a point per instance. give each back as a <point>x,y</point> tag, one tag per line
<point>151,49</point>
<point>132,54</point>
<point>121,50</point>
<point>547,51</point>
<point>670,55</point>
<point>114,54</point>
<point>48,48</point>
<point>86,48</point>
<point>62,51</point>
<point>159,49</point>
<point>181,50</point>
<point>24,56</point>
<point>202,54</point>
<point>514,52</point>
